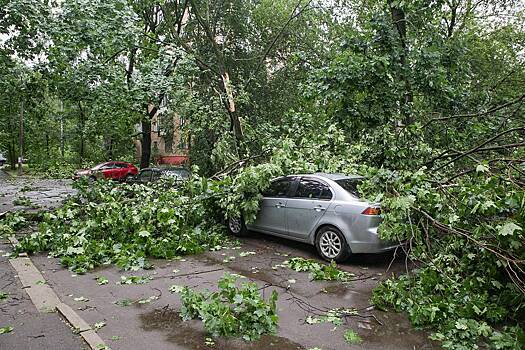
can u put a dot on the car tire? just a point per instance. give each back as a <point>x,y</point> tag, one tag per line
<point>237,227</point>
<point>331,244</point>
<point>126,178</point>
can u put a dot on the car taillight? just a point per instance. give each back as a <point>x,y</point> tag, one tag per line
<point>372,211</point>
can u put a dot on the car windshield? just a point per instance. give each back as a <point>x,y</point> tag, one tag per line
<point>350,185</point>
<point>176,173</point>
<point>96,167</point>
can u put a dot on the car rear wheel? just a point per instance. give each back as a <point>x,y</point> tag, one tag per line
<point>237,227</point>
<point>331,244</point>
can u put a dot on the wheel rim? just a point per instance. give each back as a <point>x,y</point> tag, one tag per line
<point>330,244</point>
<point>235,225</point>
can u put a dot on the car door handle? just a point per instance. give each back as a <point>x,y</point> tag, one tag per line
<point>319,208</point>
<point>280,205</point>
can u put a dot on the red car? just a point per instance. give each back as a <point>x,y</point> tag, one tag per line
<point>108,170</point>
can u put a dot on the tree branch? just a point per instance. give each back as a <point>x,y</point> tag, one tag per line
<point>480,149</point>
<point>479,114</point>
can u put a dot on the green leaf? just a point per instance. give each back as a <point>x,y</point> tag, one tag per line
<point>144,233</point>
<point>508,229</point>
<point>98,325</point>
<point>6,329</point>
<point>351,337</point>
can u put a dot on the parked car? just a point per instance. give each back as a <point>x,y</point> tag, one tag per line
<point>147,175</point>
<point>108,170</point>
<point>319,209</point>
<point>2,159</point>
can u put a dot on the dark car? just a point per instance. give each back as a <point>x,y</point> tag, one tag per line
<point>108,170</point>
<point>147,175</point>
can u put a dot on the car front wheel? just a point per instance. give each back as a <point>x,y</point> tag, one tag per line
<point>237,227</point>
<point>331,244</point>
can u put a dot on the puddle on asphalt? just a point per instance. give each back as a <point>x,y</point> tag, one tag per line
<point>338,289</point>
<point>191,335</point>
<point>347,293</point>
<point>246,271</point>
<point>397,331</point>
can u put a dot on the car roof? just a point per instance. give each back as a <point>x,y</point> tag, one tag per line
<point>174,168</point>
<point>165,169</point>
<point>333,176</point>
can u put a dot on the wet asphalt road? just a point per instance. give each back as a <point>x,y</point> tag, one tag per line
<point>31,329</point>
<point>156,324</point>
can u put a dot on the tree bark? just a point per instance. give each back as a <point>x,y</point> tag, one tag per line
<point>11,154</point>
<point>399,22</point>
<point>230,107</point>
<point>11,149</point>
<point>21,139</point>
<point>81,151</point>
<point>145,147</point>
<point>62,129</point>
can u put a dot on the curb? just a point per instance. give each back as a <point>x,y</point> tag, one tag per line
<point>46,300</point>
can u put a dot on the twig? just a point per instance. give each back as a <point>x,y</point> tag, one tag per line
<point>479,114</point>
<point>479,147</point>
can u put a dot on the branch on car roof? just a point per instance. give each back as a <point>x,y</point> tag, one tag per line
<point>237,164</point>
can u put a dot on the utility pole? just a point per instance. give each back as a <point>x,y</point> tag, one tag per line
<point>21,139</point>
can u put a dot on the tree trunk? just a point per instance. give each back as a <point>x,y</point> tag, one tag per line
<point>11,149</point>
<point>399,22</point>
<point>62,129</point>
<point>81,152</point>
<point>145,144</point>
<point>11,154</point>
<point>21,139</point>
<point>145,149</point>
<point>230,107</point>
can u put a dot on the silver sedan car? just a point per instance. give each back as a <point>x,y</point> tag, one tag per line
<point>319,209</point>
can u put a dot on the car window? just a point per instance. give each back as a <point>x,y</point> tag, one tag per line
<point>145,175</point>
<point>350,185</point>
<point>155,175</point>
<point>278,188</point>
<point>120,165</point>
<point>313,189</point>
<point>326,193</point>
<point>176,173</point>
<point>100,166</point>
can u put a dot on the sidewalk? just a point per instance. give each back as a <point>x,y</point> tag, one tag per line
<point>31,329</point>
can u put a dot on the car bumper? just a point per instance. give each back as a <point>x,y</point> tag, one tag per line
<point>364,247</point>
<point>371,243</point>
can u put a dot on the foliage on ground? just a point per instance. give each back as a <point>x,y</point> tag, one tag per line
<point>319,271</point>
<point>333,316</point>
<point>232,310</point>
<point>351,337</point>
<point>11,223</point>
<point>124,224</point>
<point>112,223</point>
